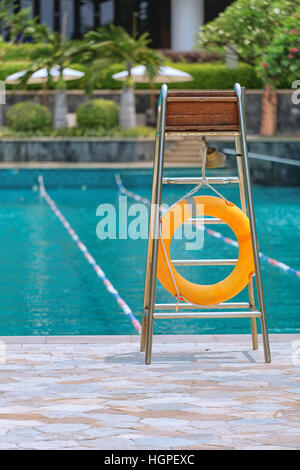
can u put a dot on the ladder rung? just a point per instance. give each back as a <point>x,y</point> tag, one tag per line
<point>204,220</point>
<point>204,262</point>
<point>201,98</point>
<point>178,315</point>
<point>200,133</point>
<point>187,305</point>
<point>211,180</point>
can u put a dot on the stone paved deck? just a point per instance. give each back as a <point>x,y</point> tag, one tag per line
<point>201,392</point>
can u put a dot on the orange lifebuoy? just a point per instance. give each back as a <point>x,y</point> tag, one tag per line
<point>235,281</point>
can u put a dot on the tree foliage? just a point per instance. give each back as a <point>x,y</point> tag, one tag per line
<point>59,52</point>
<point>17,24</point>
<point>114,45</point>
<point>247,27</point>
<point>281,59</point>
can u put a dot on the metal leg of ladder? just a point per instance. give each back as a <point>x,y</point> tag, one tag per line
<point>154,226</point>
<point>146,289</point>
<point>244,151</point>
<point>143,333</point>
<point>244,209</point>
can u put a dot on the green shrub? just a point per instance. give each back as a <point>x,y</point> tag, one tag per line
<point>24,51</point>
<point>218,76</point>
<point>13,52</point>
<point>99,132</point>
<point>206,76</point>
<point>98,113</point>
<point>8,68</point>
<point>114,132</point>
<point>28,116</point>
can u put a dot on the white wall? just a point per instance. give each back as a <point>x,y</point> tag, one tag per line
<point>186,18</point>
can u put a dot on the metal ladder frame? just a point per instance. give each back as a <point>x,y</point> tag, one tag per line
<point>149,307</point>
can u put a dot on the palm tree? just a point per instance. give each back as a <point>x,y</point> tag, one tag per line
<point>58,53</point>
<point>2,90</point>
<point>113,45</point>
<point>15,23</point>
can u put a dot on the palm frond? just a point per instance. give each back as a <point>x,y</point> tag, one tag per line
<point>114,45</point>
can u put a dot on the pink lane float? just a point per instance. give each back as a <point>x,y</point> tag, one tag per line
<point>100,273</point>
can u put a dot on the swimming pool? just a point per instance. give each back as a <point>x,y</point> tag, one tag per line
<point>48,288</point>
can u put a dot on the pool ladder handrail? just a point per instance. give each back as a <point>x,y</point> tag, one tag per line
<point>237,129</point>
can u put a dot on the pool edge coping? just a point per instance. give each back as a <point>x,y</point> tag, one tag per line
<point>101,339</point>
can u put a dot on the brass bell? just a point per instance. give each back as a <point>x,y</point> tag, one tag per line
<point>215,159</point>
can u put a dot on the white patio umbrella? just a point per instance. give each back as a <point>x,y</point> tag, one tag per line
<point>41,76</point>
<point>165,75</point>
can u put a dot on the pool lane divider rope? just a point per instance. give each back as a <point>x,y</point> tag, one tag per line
<point>213,233</point>
<point>100,273</point>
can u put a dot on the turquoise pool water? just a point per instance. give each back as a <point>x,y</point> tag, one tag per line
<point>48,288</point>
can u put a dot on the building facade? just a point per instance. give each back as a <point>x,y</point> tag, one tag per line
<point>172,24</point>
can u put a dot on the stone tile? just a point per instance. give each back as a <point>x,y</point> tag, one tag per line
<point>95,392</point>
<point>23,339</point>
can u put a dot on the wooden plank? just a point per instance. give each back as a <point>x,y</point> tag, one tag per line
<point>201,98</point>
<point>202,115</point>
<point>212,128</point>
<point>192,93</point>
<point>198,107</point>
<point>202,132</point>
<point>204,119</point>
<point>202,112</point>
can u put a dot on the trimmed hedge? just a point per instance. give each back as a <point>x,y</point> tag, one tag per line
<point>28,116</point>
<point>24,51</point>
<point>98,113</point>
<point>13,67</point>
<point>191,57</point>
<point>9,68</point>
<point>11,52</point>
<point>206,76</point>
<point>218,76</point>
<point>115,132</point>
<point>213,75</point>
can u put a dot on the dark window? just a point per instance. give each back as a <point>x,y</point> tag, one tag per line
<point>87,16</point>
<point>67,18</point>
<point>80,16</point>
<point>124,15</point>
<point>4,31</point>
<point>158,24</point>
<point>107,12</point>
<point>212,8</point>
<point>34,6</point>
<point>47,12</point>
<point>27,4</point>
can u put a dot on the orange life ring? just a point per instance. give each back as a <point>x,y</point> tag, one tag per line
<point>235,281</point>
